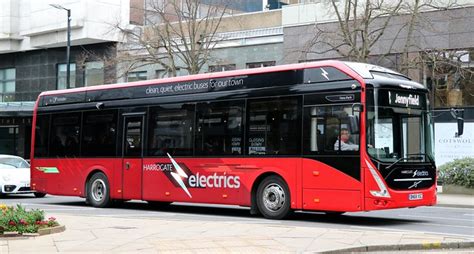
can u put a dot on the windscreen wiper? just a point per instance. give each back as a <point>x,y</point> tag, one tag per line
<point>408,157</point>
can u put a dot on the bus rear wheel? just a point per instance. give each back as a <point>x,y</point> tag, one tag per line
<point>98,191</point>
<point>273,198</point>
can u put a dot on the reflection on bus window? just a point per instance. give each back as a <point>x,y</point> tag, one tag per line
<point>327,129</point>
<point>272,126</point>
<point>99,133</point>
<point>219,128</point>
<point>171,130</point>
<point>41,135</point>
<point>65,135</point>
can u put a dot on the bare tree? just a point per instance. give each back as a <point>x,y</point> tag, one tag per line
<point>178,34</point>
<point>362,24</point>
<point>448,75</point>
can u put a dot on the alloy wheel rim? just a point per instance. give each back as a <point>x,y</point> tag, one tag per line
<point>274,197</point>
<point>98,190</point>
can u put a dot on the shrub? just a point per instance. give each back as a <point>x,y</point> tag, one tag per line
<point>458,172</point>
<point>22,221</point>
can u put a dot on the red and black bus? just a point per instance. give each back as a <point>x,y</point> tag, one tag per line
<point>322,136</point>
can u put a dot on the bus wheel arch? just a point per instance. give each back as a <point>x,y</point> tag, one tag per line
<point>270,180</point>
<point>97,189</point>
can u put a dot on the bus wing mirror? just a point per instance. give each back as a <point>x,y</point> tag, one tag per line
<point>458,114</point>
<point>354,124</point>
<point>460,126</point>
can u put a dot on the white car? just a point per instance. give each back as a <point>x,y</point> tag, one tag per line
<point>15,176</point>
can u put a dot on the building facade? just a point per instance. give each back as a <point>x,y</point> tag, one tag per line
<point>33,39</point>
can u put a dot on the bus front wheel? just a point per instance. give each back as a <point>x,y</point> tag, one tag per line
<point>273,198</point>
<point>39,194</point>
<point>98,191</point>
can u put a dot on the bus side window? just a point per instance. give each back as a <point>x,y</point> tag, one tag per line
<point>323,126</point>
<point>99,133</point>
<point>65,133</point>
<point>41,135</point>
<point>332,132</point>
<point>171,130</point>
<point>273,126</point>
<point>219,128</point>
<point>314,133</point>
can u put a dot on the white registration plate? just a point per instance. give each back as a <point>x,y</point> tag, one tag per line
<point>415,196</point>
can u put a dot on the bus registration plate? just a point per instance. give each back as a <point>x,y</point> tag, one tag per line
<point>415,196</point>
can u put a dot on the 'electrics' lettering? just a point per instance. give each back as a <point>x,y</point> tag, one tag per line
<point>214,181</point>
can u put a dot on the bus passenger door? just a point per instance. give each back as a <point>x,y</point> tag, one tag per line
<point>132,156</point>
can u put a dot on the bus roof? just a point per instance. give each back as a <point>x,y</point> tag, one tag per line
<point>333,63</point>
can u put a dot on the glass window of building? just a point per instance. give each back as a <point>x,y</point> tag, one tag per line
<point>62,76</point>
<point>161,74</point>
<point>218,68</point>
<point>450,77</point>
<point>136,76</point>
<point>7,84</point>
<point>94,73</point>
<point>260,64</point>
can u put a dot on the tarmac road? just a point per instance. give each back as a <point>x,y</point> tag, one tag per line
<point>456,221</point>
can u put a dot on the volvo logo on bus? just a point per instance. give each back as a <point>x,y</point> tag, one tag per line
<point>415,172</point>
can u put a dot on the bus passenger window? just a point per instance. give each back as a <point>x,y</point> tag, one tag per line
<point>327,129</point>
<point>171,130</point>
<point>273,126</point>
<point>219,128</point>
<point>64,139</point>
<point>99,133</point>
<point>41,135</point>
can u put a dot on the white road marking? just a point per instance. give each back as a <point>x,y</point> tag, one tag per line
<point>444,225</point>
<point>134,215</point>
<point>65,209</point>
<point>433,217</point>
<point>410,230</point>
<point>447,208</point>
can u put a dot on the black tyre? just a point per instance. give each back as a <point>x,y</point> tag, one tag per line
<point>273,198</point>
<point>334,213</point>
<point>158,204</point>
<point>39,194</point>
<point>98,191</point>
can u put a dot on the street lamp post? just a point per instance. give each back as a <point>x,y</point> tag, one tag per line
<point>68,48</point>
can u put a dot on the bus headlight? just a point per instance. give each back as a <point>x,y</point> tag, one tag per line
<point>383,192</point>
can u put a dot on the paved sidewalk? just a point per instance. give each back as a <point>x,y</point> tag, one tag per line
<point>110,234</point>
<point>455,200</point>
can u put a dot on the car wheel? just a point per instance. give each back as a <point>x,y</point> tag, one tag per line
<point>39,194</point>
<point>273,198</point>
<point>98,191</point>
